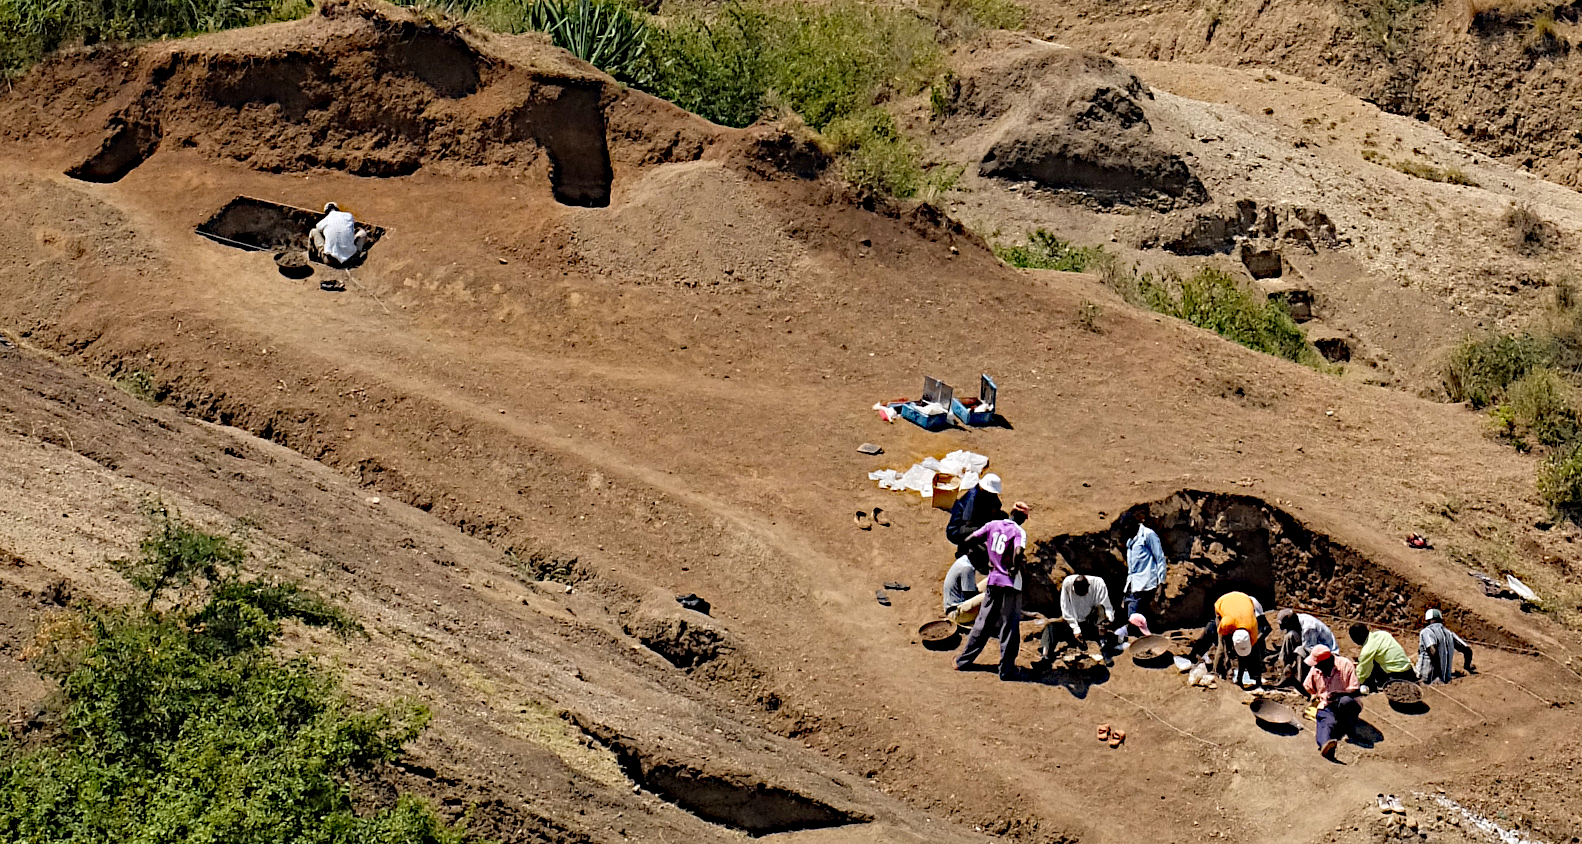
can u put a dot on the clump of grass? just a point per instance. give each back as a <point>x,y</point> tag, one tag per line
<point>1044,251</point>
<point>1480,369</point>
<point>966,17</point>
<point>1544,34</point>
<point>1215,300</point>
<point>1088,314</point>
<point>1538,408</point>
<point>1530,234</point>
<point>1560,480</point>
<point>139,384</point>
<point>1448,175</point>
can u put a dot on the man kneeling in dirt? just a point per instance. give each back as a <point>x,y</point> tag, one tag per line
<point>1082,598</point>
<point>1332,684</point>
<point>1236,634</point>
<point>337,240</point>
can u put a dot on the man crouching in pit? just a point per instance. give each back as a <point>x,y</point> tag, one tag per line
<point>337,240</point>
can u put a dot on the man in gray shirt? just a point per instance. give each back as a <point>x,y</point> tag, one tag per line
<point>1436,650</point>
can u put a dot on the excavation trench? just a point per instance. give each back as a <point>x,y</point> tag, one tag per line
<point>1217,542</point>
<point>740,801</point>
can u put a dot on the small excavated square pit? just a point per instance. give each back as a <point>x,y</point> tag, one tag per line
<point>259,225</point>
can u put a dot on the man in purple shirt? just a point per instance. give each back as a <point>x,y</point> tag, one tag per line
<point>1001,613</point>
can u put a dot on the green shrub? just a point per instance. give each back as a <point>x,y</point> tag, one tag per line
<point>824,62</point>
<point>1560,480</point>
<point>608,34</point>
<point>175,553</point>
<point>960,18</point>
<point>874,156</point>
<point>1214,300</point>
<point>1044,251</point>
<point>1539,408</point>
<point>31,28</point>
<point>1479,370</point>
<point>184,726</point>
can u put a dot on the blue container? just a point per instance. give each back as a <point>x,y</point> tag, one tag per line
<point>912,413</point>
<point>978,415</point>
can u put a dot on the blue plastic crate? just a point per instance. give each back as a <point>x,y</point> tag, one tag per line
<point>911,412</point>
<point>987,394</point>
<point>934,391</point>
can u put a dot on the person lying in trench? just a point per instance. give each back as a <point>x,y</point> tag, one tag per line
<point>337,240</point>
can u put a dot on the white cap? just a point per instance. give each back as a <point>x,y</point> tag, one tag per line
<point>330,206</point>
<point>1434,615</point>
<point>990,483</point>
<point>1241,640</point>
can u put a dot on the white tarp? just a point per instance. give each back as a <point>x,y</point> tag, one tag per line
<point>920,478</point>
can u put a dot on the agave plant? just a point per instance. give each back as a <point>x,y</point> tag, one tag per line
<point>605,33</point>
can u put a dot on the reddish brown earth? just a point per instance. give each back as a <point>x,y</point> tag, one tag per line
<point>670,390</point>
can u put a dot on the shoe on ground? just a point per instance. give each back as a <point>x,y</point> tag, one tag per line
<point>1328,750</point>
<point>1396,806</point>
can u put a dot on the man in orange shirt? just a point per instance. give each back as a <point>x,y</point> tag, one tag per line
<point>1332,684</point>
<point>1239,629</point>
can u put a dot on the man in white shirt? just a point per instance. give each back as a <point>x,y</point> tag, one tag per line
<point>1082,598</point>
<point>337,239</point>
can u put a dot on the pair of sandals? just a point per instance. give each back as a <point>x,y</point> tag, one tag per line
<point>866,521</point>
<point>1114,735</point>
<point>883,598</point>
<point>1391,803</point>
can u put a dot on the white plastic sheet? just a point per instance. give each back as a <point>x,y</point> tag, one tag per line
<point>920,477</point>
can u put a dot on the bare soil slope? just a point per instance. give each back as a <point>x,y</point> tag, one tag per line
<point>1482,72</point>
<point>1297,184</point>
<point>670,390</point>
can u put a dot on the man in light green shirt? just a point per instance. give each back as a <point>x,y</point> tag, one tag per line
<point>1382,659</point>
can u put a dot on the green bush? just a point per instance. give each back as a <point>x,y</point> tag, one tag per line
<point>874,156</point>
<point>31,28</point>
<point>1044,251</point>
<point>183,726</point>
<point>608,34</point>
<point>824,62</point>
<point>1479,370</point>
<point>1560,480</point>
<point>1539,408</point>
<point>1214,300</point>
<point>175,553</point>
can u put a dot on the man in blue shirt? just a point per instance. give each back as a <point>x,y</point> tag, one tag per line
<point>1145,569</point>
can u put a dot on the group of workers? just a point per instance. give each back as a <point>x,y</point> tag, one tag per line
<point>983,594</point>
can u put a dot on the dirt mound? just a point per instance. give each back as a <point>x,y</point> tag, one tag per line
<point>1065,119</point>
<point>370,89</point>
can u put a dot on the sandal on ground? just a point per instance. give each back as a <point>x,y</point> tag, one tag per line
<point>863,520</point>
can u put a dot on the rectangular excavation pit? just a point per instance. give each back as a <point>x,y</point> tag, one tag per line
<point>259,225</point>
<point>1218,542</point>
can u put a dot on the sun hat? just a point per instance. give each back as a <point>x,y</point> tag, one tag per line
<point>990,483</point>
<point>1319,654</point>
<point>1434,615</point>
<point>1242,642</point>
